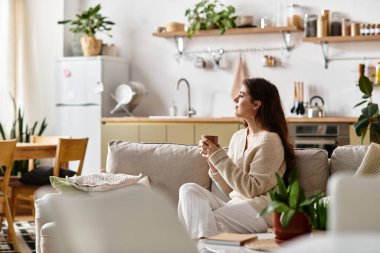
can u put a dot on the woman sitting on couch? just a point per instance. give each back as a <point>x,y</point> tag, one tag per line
<point>246,173</point>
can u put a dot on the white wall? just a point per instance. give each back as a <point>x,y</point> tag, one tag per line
<point>44,45</point>
<point>152,59</point>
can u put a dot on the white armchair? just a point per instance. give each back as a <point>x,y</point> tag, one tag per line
<point>130,219</point>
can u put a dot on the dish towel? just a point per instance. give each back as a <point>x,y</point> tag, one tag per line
<point>240,75</point>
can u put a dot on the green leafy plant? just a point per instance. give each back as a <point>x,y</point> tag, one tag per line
<point>209,14</point>
<point>370,117</point>
<point>22,132</point>
<point>89,22</point>
<point>291,199</point>
<point>319,215</point>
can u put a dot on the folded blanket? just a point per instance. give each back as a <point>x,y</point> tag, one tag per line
<point>102,181</point>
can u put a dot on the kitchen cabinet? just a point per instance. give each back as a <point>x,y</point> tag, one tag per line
<point>224,131</point>
<point>117,131</point>
<point>324,41</point>
<point>152,133</point>
<point>179,36</point>
<point>175,133</point>
<point>356,140</point>
<point>182,132</point>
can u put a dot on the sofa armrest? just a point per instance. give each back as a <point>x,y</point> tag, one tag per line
<point>43,215</point>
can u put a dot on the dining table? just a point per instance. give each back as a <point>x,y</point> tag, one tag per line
<point>26,151</point>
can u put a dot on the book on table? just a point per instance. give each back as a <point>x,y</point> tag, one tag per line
<point>230,239</point>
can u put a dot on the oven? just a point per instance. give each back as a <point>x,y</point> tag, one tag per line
<point>326,136</point>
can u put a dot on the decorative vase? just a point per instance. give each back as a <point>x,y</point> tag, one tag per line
<point>297,226</point>
<point>90,45</point>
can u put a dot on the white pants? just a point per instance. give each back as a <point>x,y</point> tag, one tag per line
<point>204,214</point>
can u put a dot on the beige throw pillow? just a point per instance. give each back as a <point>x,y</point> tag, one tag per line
<point>370,165</point>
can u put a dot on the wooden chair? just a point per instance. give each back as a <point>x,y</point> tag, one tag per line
<point>7,149</point>
<point>24,192</point>
<point>67,150</point>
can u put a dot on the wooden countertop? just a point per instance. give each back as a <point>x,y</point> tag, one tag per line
<point>159,119</point>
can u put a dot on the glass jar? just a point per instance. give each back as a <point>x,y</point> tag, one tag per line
<point>377,30</point>
<point>281,15</point>
<point>310,25</point>
<point>346,27</point>
<point>336,24</point>
<point>295,14</point>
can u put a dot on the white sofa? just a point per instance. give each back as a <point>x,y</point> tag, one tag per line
<point>171,165</point>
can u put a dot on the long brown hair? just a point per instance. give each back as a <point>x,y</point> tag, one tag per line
<point>271,114</point>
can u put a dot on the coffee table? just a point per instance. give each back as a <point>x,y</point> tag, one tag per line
<point>211,248</point>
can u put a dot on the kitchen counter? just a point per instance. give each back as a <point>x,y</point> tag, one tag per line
<point>168,119</point>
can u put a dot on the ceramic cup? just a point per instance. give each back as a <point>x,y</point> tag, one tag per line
<point>212,138</point>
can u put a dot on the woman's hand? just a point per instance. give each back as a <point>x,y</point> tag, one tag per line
<point>206,147</point>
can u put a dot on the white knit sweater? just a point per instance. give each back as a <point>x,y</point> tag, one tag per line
<point>248,175</point>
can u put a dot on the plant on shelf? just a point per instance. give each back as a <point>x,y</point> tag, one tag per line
<point>22,132</point>
<point>89,23</point>
<point>370,117</point>
<point>210,14</point>
<point>294,213</point>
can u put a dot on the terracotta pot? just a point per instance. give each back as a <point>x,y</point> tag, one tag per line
<point>297,226</point>
<point>90,45</point>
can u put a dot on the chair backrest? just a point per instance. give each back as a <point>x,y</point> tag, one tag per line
<point>7,149</point>
<point>355,203</point>
<point>42,140</point>
<point>70,150</point>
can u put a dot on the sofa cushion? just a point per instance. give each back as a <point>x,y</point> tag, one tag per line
<point>167,165</point>
<point>347,158</point>
<point>312,164</point>
<point>370,165</point>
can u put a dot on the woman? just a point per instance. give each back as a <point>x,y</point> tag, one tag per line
<point>246,173</point>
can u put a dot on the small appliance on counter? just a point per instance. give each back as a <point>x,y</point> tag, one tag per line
<point>127,96</point>
<point>316,110</point>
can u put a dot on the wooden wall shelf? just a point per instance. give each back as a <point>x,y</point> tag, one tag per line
<point>179,36</point>
<point>236,31</point>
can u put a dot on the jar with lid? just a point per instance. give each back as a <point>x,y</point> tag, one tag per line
<point>336,24</point>
<point>310,25</point>
<point>362,29</point>
<point>377,74</point>
<point>355,29</point>
<point>346,27</point>
<point>322,26</point>
<point>326,15</point>
<point>377,30</point>
<point>372,29</point>
<point>295,14</point>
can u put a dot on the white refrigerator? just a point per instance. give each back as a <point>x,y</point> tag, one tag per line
<point>83,87</point>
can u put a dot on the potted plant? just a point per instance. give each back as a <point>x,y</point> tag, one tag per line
<point>89,23</point>
<point>22,132</point>
<point>210,14</point>
<point>370,117</point>
<point>294,213</point>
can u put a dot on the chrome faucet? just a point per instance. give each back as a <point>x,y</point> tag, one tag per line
<point>190,111</point>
